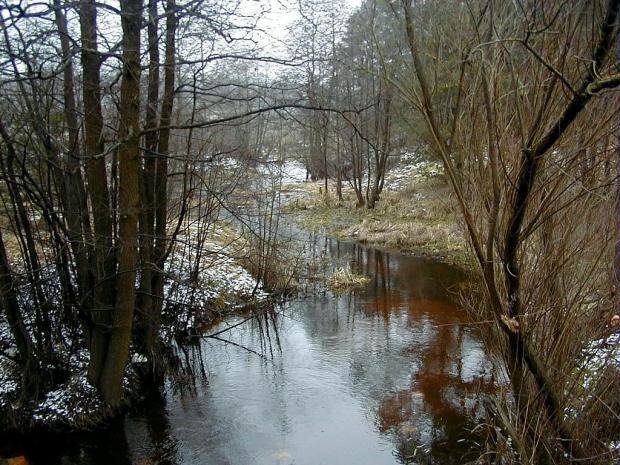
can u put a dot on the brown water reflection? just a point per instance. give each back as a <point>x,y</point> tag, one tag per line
<point>444,388</point>
<point>391,374</point>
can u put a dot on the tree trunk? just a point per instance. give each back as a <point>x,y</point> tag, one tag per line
<point>98,192</point>
<point>338,170</point>
<point>617,212</point>
<point>161,186</point>
<point>78,224</point>
<point>324,134</point>
<point>358,170</point>
<point>111,383</point>
<point>149,317</point>
<point>25,234</point>
<point>8,296</point>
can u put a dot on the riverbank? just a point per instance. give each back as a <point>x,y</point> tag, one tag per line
<point>197,292</point>
<point>415,215</point>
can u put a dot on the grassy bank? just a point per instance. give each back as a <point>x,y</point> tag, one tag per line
<point>416,218</point>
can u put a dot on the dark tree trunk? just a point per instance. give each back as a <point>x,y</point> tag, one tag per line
<point>8,296</point>
<point>617,248</point>
<point>76,213</point>
<point>338,170</point>
<point>25,234</point>
<point>161,181</point>
<point>111,382</point>
<point>149,319</point>
<point>98,193</point>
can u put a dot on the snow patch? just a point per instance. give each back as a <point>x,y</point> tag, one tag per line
<point>72,403</point>
<point>600,354</point>
<point>410,168</point>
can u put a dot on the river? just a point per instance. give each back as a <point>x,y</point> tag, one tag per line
<point>388,374</point>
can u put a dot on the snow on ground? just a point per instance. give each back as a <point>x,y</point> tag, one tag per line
<point>217,284</point>
<point>406,169</point>
<point>599,355</point>
<point>219,277</point>
<point>8,384</point>
<point>53,407</point>
<point>73,403</point>
<point>227,162</point>
<point>287,172</point>
<point>5,334</point>
<point>221,283</point>
<point>410,168</point>
<point>293,172</point>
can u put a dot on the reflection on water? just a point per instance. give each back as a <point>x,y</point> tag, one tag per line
<point>390,374</point>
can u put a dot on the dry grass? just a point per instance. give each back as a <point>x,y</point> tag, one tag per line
<point>345,278</point>
<point>418,219</point>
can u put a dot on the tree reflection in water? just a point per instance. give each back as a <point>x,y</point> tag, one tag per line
<point>443,399</point>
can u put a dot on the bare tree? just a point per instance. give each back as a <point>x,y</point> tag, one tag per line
<point>525,94</point>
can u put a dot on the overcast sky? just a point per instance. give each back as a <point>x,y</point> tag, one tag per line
<point>281,15</point>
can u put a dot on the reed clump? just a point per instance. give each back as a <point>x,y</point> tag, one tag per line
<point>344,278</point>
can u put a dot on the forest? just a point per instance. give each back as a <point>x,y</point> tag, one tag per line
<point>311,231</point>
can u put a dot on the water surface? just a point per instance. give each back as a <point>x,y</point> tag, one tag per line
<point>386,375</point>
